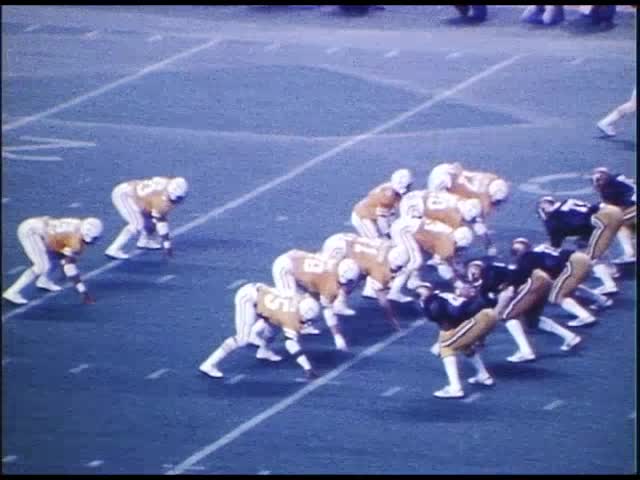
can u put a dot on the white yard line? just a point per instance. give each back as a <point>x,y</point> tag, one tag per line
<point>31,28</point>
<point>554,404</point>
<point>288,401</point>
<point>293,173</point>
<point>157,374</point>
<point>110,86</point>
<point>19,268</point>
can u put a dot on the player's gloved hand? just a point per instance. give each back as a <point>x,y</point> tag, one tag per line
<point>87,299</point>
<point>311,374</point>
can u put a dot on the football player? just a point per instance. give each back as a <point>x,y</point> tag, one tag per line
<point>567,268</point>
<point>618,190</point>
<point>421,234</point>
<point>596,225</point>
<point>144,205</point>
<point>378,259</point>
<point>60,239</point>
<point>462,324</point>
<point>319,276</point>
<point>371,215</point>
<point>442,176</point>
<point>259,306</point>
<point>531,289</point>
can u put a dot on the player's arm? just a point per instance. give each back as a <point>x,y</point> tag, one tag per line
<point>159,218</point>
<point>385,304</point>
<point>292,344</point>
<point>70,270</point>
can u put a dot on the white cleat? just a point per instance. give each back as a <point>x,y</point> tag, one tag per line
<point>341,344</point>
<point>608,130</point>
<point>449,392</point>
<point>15,298</point>
<point>624,259</point>
<point>308,329</point>
<point>600,305</point>
<point>117,254</point>
<point>266,354</point>
<point>486,380</point>
<point>343,310</point>
<point>211,370</point>
<point>399,297</point>
<point>581,321</point>
<point>604,290</point>
<point>569,344</point>
<point>369,293</point>
<point>47,284</point>
<point>520,357</point>
<point>149,244</point>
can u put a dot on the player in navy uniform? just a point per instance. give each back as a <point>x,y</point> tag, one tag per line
<point>618,190</point>
<point>594,224</point>
<point>567,268</point>
<point>463,322</point>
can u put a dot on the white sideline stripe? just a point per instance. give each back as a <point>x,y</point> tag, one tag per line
<point>288,401</point>
<point>276,181</point>
<point>16,270</point>
<point>94,463</point>
<point>391,391</point>
<point>392,53</point>
<point>110,86</point>
<point>554,404</point>
<point>235,379</point>
<point>235,284</point>
<point>332,50</point>
<point>31,28</point>
<point>9,459</point>
<point>165,278</point>
<point>79,368</point>
<point>157,374</point>
<point>472,398</point>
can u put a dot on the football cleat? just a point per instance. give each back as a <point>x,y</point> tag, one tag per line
<point>399,297</point>
<point>486,380</point>
<point>520,357</point>
<point>46,284</point>
<point>211,370</point>
<point>608,130</point>
<point>15,298</point>
<point>264,353</point>
<point>604,290</point>
<point>581,321</point>
<point>148,243</point>
<point>449,392</point>
<point>117,254</point>
<point>572,342</point>
<point>309,329</point>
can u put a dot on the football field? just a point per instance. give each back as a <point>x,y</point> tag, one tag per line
<point>281,119</point>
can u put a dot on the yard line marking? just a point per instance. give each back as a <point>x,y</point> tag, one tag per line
<point>304,380</point>
<point>79,368</point>
<point>75,205</point>
<point>472,398</point>
<point>31,28</point>
<point>392,53</point>
<point>9,459</point>
<point>157,374</point>
<point>332,50</point>
<point>391,391</point>
<point>235,284</point>
<point>94,463</point>
<point>169,465</point>
<point>92,34</point>
<point>110,86</point>
<point>272,46</point>
<point>453,55</point>
<point>155,38</point>
<point>165,278</point>
<point>16,270</point>
<point>293,173</point>
<point>288,401</point>
<point>281,218</point>
<point>235,379</point>
<point>554,404</point>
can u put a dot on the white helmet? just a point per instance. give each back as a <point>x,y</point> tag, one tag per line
<point>335,247</point>
<point>401,180</point>
<point>90,229</point>
<point>463,236</point>
<point>308,308</point>
<point>397,257</point>
<point>348,271</point>
<point>470,208</point>
<point>498,190</point>
<point>177,188</point>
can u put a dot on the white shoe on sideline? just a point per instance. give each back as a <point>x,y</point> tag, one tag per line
<point>486,380</point>
<point>520,357</point>
<point>117,254</point>
<point>211,370</point>
<point>46,284</point>
<point>608,130</point>
<point>580,321</point>
<point>449,392</point>
<point>15,298</point>
<point>266,354</point>
<point>572,342</point>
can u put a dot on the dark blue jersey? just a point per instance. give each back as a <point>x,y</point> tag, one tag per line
<point>449,310</point>
<point>571,218</point>
<point>497,276</point>
<point>619,191</point>
<point>545,258</point>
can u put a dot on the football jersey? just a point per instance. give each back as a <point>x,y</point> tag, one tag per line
<point>316,274</point>
<point>63,235</point>
<point>382,201</point>
<point>277,308</point>
<point>449,310</point>
<point>443,207</point>
<point>475,185</point>
<point>151,195</point>
<point>619,191</point>
<point>550,260</point>
<point>570,218</point>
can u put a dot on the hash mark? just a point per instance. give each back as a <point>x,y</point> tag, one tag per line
<point>157,374</point>
<point>94,463</point>
<point>79,368</point>
<point>391,391</point>
<point>554,404</point>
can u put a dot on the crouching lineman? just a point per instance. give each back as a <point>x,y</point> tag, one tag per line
<point>371,217</point>
<point>258,307</point>
<point>595,224</point>
<point>620,191</point>
<point>61,239</point>
<point>378,259</point>
<point>567,268</point>
<point>144,205</point>
<point>531,290</point>
<point>319,276</point>
<point>463,323</point>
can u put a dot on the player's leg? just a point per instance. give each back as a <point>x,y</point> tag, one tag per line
<point>122,199</point>
<point>365,227</point>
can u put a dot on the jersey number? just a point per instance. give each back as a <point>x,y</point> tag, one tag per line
<point>313,265</point>
<point>63,226</point>
<point>273,302</point>
<point>436,203</point>
<point>575,205</point>
<point>146,187</point>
